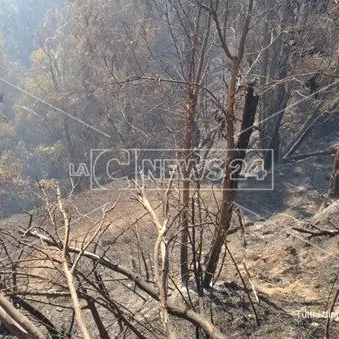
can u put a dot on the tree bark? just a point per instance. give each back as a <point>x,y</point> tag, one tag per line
<point>334,183</point>
<point>230,184</point>
<point>18,323</point>
<point>191,113</point>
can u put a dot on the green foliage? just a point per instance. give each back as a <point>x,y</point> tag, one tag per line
<point>10,168</point>
<point>18,20</point>
<point>78,55</point>
<point>50,150</point>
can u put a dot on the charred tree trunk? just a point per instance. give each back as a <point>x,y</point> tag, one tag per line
<point>97,318</point>
<point>333,192</point>
<point>191,113</point>
<point>17,322</point>
<point>274,144</point>
<point>228,194</point>
<point>230,183</point>
<point>52,330</point>
<point>275,101</point>
<point>197,63</point>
